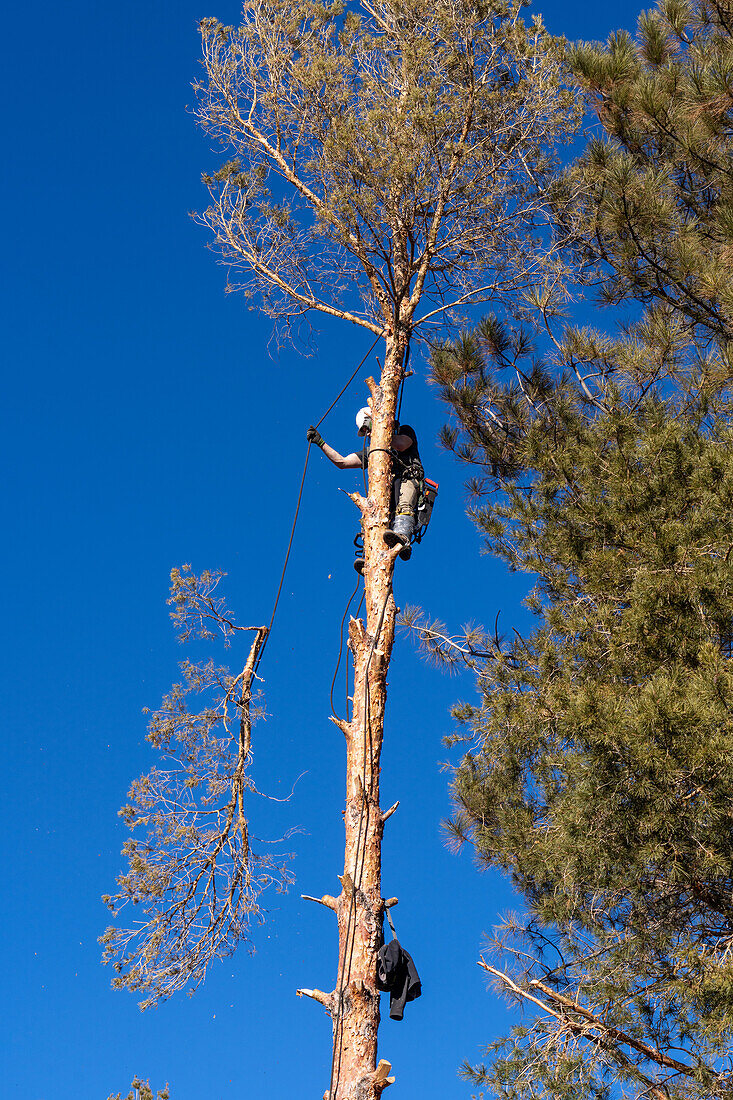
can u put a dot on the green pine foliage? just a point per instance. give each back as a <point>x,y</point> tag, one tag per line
<point>600,768</point>
<point>658,183</point>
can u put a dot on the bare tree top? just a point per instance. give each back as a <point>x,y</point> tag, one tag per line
<point>382,157</point>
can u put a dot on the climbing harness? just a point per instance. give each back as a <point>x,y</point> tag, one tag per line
<point>410,469</point>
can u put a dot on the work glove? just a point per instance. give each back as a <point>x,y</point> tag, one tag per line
<point>314,436</point>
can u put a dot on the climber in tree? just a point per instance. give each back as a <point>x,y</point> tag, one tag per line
<point>408,475</point>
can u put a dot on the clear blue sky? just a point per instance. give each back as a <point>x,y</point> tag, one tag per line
<point>148,422</point>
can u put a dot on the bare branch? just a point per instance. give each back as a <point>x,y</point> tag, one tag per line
<point>325,999</point>
<point>193,871</point>
<point>327,900</point>
<point>382,1074</point>
<point>437,192</point>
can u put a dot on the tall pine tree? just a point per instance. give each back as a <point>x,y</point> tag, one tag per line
<point>386,164</point>
<point>599,771</point>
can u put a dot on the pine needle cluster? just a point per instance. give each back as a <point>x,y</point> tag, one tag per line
<point>656,222</point>
<point>599,775</point>
<point>601,772</point>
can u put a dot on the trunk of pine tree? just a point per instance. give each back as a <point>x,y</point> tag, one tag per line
<point>354,1003</point>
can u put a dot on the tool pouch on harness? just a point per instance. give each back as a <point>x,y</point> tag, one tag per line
<point>428,494</point>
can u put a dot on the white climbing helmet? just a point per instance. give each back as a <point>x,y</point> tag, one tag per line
<point>364,421</point>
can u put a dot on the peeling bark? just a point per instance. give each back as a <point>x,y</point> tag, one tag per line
<point>359,907</point>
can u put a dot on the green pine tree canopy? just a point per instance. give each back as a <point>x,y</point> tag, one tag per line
<point>657,220</point>
<point>602,767</point>
<point>599,772</point>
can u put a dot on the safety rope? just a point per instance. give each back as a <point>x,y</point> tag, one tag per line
<point>364,461</point>
<point>349,715</point>
<point>341,393</point>
<point>356,878</point>
<point>358,871</point>
<point>341,650</point>
<point>402,383</point>
<point>300,497</point>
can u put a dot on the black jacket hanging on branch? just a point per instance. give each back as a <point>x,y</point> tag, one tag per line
<point>397,975</point>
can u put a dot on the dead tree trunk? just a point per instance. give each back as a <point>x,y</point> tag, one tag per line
<point>354,1003</point>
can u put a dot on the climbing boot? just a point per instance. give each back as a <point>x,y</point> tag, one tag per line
<point>401,531</point>
<point>359,566</point>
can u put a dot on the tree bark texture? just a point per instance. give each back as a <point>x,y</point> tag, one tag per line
<point>354,1003</point>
